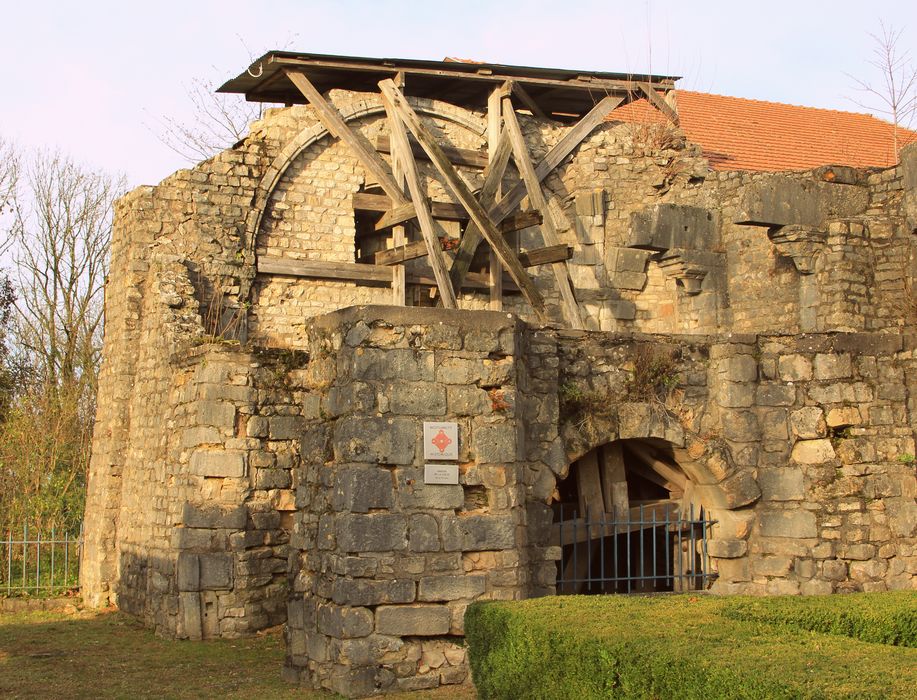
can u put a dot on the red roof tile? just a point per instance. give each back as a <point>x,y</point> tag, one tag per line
<point>741,134</point>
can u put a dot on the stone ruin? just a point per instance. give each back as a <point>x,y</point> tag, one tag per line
<point>744,341</point>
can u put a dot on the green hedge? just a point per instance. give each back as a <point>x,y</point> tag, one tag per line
<point>888,618</point>
<point>672,647</point>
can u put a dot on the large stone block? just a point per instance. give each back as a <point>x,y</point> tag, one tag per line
<point>380,532</point>
<point>779,200</point>
<point>344,622</point>
<point>808,423</point>
<point>216,571</point>
<point>218,463</point>
<point>788,523</point>
<point>417,399</point>
<point>376,440</point>
<point>813,451</point>
<point>360,490</point>
<point>496,443</point>
<point>665,226</point>
<point>369,592</point>
<point>286,427</point>
<point>372,364</point>
<point>782,484</point>
<point>435,588</point>
<point>413,493</point>
<point>413,620</point>
<point>213,516</point>
<point>478,533</point>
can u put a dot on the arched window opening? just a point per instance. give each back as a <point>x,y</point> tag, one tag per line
<point>626,523</point>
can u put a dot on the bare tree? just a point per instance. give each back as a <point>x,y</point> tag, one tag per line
<point>62,227</point>
<point>895,94</point>
<point>217,121</point>
<point>9,177</point>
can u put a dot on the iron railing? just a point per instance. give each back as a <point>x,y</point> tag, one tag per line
<point>38,564</point>
<point>655,548</point>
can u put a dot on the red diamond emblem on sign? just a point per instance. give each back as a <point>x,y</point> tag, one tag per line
<point>441,441</point>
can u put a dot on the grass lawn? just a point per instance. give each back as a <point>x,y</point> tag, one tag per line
<point>110,655</point>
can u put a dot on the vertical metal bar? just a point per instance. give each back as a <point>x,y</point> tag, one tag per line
<point>602,552</point>
<point>642,553</point>
<point>614,535</point>
<point>38,562</point>
<point>681,551</point>
<point>575,547</point>
<point>703,546</point>
<point>654,548</point>
<point>630,525</point>
<point>668,531</point>
<point>25,539</point>
<point>66,557</point>
<point>559,585</point>
<point>588,550</point>
<point>692,547</point>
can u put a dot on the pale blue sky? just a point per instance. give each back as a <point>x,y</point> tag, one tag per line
<point>87,76</point>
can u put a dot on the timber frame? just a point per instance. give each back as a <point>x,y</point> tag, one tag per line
<point>578,98</point>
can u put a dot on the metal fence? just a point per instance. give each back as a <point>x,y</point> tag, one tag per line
<point>655,549</point>
<point>36,563</point>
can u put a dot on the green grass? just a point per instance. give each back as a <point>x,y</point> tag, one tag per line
<point>676,647</point>
<point>110,655</point>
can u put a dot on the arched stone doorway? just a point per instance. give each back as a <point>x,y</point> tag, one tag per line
<point>628,520</point>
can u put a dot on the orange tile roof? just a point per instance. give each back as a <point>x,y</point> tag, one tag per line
<point>742,134</point>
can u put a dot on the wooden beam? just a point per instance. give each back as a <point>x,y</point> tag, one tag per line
<point>402,150</point>
<point>545,256</point>
<point>664,469</point>
<point>554,157</point>
<point>589,486</point>
<point>335,124</point>
<point>457,156</point>
<point>475,211</point>
<point>562,533</point>
<point>399,234</point>
<point>324,269</point>
<point>659,103</point>
<point>614,479</point>
<point>471,238</point>
<point>494,132</point>
<point>536,197</point>
<point>440,210</point>
<point>526,99</point>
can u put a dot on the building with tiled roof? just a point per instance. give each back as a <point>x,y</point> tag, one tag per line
<point>742,134</point>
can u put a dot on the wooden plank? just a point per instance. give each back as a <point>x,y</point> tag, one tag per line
<point>402,149</point>
<point>659,102</point>
<point>526,99</point>
<point>402,253</point>
<point>581,82</point>
<point>554,157</point>
<point>589,486</point>
<point>667,471</point>
<point>475,211</point>
<point>399,236</point>
<point>545,256</point>
<point>494,130</point>
<point>323,269</point>
<point>471,238</point>
<point>457,156</point>
<point>661,509</point>
<point>440,210</point>
<point>614,479</point>
<point>532,184</point>
<point>335,124</point>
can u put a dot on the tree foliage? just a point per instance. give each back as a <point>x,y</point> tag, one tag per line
<point>59,230</point>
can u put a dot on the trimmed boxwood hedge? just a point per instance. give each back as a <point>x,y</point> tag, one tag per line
<point>886,618</point>
<point>678,646</point>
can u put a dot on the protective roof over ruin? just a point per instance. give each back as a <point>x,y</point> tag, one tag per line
<point>742,134</point>
<point>553,90</point>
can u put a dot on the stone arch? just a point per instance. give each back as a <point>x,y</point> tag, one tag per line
<point>368,106</point>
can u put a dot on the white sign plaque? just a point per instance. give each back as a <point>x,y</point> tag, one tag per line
<point>440,474</point>
<point>440,441</point>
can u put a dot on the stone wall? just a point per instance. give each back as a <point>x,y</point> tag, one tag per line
<point>256,449</point>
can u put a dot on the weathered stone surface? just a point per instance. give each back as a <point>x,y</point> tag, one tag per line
<point>808,423</point>
<point>782,484</point>
<point>473,533</point>
<point>727,548</point>
<point>740,489</point>
<point>495,443</point>
<point>434,588</point>
<point>423,534</point>
<point>795,523</point>
<point>361,490</point>
<point>413,620</point>
<point>813,452</point>
<point>375,440</point>
<point>213,516</point>
<point>216,571</point>
<point>344,622</point>
<point>218,463</point>
<point>367,592</point>
<point>371,533</point>
<point>794,368</point>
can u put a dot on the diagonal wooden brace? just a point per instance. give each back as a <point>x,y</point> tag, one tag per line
<point>466,198</point>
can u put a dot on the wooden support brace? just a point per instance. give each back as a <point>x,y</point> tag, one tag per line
<point>494,132</point>
<point>658,102</point>
<point>475,211</point>
<point>614,480</point>
<point>545,256</point>
<point>536,197</point>
<point>335,124</point>
<point>402,150</point>
<point>526,99</point>
<point>457,156</point>
<point>554,157</point>
<point>665,470</point>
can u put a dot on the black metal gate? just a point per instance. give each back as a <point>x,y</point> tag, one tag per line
<point>661,549</point>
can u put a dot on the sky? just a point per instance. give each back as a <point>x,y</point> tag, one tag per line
<point>95,78</point>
